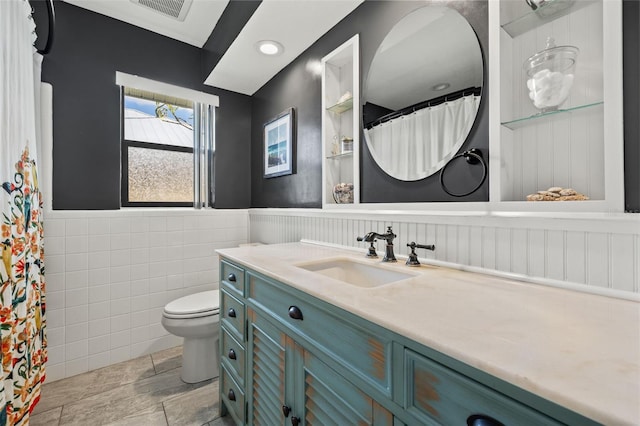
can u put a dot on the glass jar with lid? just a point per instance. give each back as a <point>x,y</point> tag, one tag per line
<point>550,75</point>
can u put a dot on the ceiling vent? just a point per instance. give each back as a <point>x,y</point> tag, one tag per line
<point>175,9</point>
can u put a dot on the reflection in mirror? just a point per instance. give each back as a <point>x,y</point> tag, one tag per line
<point>422,93</point>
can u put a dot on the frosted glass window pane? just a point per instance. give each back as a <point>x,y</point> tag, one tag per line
<point>160,176</point>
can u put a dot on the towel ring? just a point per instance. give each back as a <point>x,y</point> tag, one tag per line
<point>473,156</point>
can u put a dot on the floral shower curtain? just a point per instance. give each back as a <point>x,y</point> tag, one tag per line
<point>22,285</point>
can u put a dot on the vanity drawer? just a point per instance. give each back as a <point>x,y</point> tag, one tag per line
<point>232,314</point>
<point>435,392</point>
<point>362,347</point>
<point>233,355</point>
<point>233,276</point>
<point>232,395</point>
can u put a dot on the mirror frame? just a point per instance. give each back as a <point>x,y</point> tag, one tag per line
<point>376,186</point>
<point>433,102</point>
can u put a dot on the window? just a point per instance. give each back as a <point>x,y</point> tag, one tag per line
<point>157,150</point>
<point>167,151</point>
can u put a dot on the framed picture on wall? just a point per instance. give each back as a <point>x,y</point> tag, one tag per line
<point>279,145</point>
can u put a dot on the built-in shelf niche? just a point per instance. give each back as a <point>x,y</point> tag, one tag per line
<point>578,146</point>
<point>341,119</point>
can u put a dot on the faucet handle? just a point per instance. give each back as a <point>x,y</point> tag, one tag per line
<point>423,246</point>
<point>360,239</point>
<point>412,260</point>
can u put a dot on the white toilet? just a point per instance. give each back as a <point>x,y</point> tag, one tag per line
<point>196,318</point>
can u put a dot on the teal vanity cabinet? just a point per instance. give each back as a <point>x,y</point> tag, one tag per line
<point>288,358</point>
<point>435,392</point>
<point>294,345</point>
<point>289,384</point>
<point>232,342</point>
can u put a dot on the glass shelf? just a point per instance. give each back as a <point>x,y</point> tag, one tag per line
<point>341,107</point>
<point>549,116</point>
<point>340,156</point>
<point>549,11</point>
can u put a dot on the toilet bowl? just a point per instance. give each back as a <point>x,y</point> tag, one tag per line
<point>196,318</point>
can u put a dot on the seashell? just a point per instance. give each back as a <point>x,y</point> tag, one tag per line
<point>535,197</point>
<point>548,194</point>
<point>568,191</point>
<point>577,197</point>
<point>556,189</point>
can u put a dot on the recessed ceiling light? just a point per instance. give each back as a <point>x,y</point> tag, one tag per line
<point>269,47</point>
<point>441,86</point>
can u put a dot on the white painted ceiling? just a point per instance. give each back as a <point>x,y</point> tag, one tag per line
<point>296,24</point>
<point>202,17</point>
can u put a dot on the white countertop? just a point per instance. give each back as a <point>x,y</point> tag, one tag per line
<point>579,350</point>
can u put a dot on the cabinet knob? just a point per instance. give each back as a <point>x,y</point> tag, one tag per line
<point>295,421</point>
<point>231,313</point>
<point>231,277</point>
<point>231,395</point>
<point>482,420</point>
<point>295,313</point>
<point>232,354</point>
<point>286,410</point>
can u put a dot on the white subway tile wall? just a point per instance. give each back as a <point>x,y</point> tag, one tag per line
<point>592,252</point>
<point>109,275</point>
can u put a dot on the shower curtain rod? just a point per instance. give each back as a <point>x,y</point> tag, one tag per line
<point>426,104</point>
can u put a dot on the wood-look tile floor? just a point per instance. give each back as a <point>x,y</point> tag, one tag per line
<point>145,391</point>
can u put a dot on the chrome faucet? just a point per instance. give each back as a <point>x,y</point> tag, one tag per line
<point>388,236</point>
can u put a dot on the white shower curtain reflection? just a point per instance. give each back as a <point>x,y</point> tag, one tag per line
<point>414,146</point>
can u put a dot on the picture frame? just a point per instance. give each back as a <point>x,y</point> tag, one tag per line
<point>279,145</point>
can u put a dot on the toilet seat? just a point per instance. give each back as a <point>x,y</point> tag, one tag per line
<point>203,304</point>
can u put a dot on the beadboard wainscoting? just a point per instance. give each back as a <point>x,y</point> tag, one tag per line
<point>110,273</point>
<point>596,253</point>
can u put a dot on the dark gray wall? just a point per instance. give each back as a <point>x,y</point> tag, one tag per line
<point>89,48</point>
<point>298,87</point>
<point>631,52</point>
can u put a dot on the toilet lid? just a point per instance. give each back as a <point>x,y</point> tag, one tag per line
<point>199,303</point>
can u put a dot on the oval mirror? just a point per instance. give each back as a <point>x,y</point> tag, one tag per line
<point>422,93</point>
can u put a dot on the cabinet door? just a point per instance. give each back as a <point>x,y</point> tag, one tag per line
<point>270,353</point>
<point>329,399</point>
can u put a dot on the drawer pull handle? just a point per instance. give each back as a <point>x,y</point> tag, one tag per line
<point>295,313</point>
<point>232,313</point>
<point>232,354</point>
<point>295,421</point>
<point>232,395</point>
<point>481,420</point>
<point>286,410</point>
<point>231,278</point>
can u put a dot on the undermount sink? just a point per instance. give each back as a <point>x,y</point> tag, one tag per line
<point>355,273</point>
